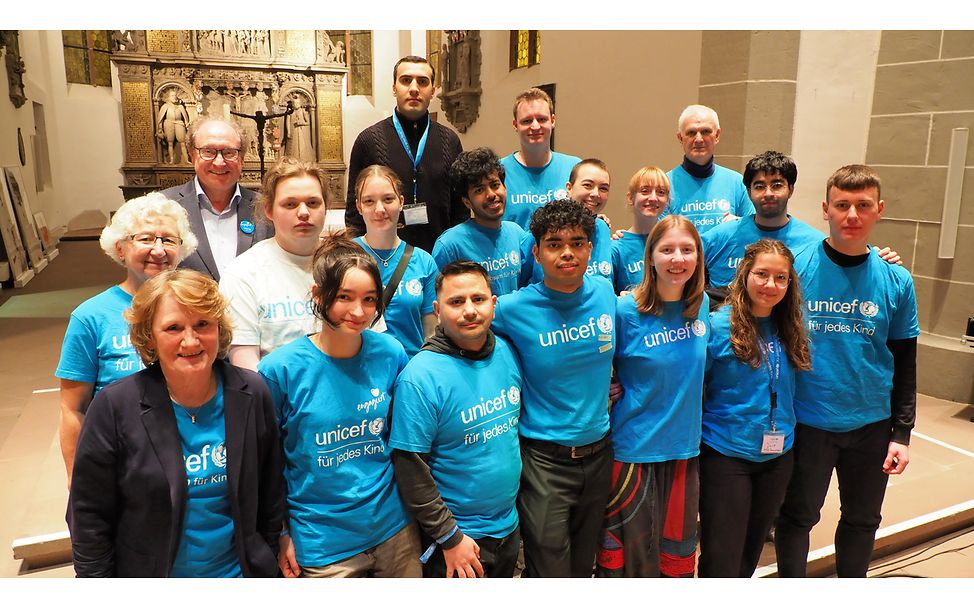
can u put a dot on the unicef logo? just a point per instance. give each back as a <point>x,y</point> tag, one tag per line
<point>376,426</point>
<point>514,257</point>
<point>561,193</point>
<point>868,309</point>
<point>514,395</point>
<point>219,456</point>
<point>723,204</point>
<point>699,328</point>
<point>605,268</point>
<point>605,324</point>
<point>414,287</point>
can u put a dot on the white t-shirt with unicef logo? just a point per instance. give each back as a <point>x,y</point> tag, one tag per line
<point>599,263</point>
<point>413,298</point>
<point>530,188</point>
<point>269,291</point>
<point>704,201</point>
<point>206,548</point>
<point>850,313</point>
<point>498,251</point>
<point>565,343</point>
<point>342,497</point>
<point>464,413</point>
<point>660,363</point>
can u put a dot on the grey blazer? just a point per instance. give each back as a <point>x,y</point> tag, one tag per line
<point>202,258</point>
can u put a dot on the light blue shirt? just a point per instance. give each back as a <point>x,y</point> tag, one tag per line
<point>705,201</point>
<point>850,313</point>
<point>530,188</point>
<point>660,363</point>
<point>206,548</point>
<point>498,251</point>
<point>565,343</point>
<point>97,347</point>
<point>599,264</point>
<point>628,259</point>
<point>464,413</point>
<point>342,497</point>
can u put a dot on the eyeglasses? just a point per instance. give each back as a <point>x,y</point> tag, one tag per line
<point>211,153</point>
<point>775,186</point>
<point>780,280</point>
<point>148,240</point>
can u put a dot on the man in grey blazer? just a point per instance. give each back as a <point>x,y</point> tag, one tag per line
<point>221,213</point>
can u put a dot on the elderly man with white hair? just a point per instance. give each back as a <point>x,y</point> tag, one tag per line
<point>703,191</point>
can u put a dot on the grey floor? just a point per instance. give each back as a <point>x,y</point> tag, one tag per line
<point>32,323</point>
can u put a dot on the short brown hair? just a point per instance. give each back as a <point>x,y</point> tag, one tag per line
<point>413,59</point>
<point>588,161</point>
<point>853,178</point>
<point>286,168</point>
<point>532,94</point>
<point>336,254</point>
<point>194,290</point>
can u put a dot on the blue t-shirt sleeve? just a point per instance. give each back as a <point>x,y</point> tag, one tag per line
<point>268,375</point>
<point>414,419</point>
<point>744,206</point>
<point>527,260</point>
<point>79,352</point>
<point>429,286</point>
<point>904,323</point>
<point>442,253</point>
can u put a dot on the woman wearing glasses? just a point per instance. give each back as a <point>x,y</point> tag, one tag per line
<point>757,344</point>
<point>269,285</point>
<point>147,235</point>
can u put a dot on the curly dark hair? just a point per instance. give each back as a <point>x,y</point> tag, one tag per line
<point>771,163</point>
<point>471,167</point>
<point>786,314</point>
<point>561,214</point>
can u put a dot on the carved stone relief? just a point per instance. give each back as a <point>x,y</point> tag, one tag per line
<point>461,91</point>
<point>10,40</point>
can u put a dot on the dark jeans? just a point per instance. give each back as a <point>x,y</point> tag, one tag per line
<point>857,457</point>
<point>498,556</point>
<point>561,504</point>
<point>739,500</point>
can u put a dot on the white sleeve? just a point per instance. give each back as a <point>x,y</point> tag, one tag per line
<point>237,285</point>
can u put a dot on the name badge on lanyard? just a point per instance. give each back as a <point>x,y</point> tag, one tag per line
<point>415,213</point>
<point>772,441</point>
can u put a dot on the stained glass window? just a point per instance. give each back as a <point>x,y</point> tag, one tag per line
<point>86,57</point>
<point>360,62</point>
<point>525,48</point>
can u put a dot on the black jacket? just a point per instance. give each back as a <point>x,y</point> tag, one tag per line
<point>380,145</point>
<point>128,487</point>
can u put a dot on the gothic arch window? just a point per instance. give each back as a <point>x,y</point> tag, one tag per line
<point>525,48</point>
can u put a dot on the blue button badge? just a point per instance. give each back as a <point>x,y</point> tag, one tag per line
<point>246,226</point>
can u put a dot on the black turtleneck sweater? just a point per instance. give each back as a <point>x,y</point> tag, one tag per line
<point>380,145</point>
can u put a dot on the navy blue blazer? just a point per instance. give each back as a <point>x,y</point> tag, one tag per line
<point>128,486</point>
<point>202,258</point>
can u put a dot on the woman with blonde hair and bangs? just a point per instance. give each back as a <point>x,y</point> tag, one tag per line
<point>661,351</point>
<point>647,197</point>
<point>757,345</point>
<point>178,471</point>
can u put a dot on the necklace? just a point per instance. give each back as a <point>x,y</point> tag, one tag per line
<point>192,414</point>
<point>385,260</point>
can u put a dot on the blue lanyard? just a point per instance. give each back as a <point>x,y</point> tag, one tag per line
<point>769,350</point>
<point>405,146</point>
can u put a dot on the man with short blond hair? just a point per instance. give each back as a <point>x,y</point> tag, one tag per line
<point>535,174</point>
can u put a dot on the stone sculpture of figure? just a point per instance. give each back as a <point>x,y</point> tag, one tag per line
<point>171,128</point>
<point>340,52</point>
<point>299,133</point>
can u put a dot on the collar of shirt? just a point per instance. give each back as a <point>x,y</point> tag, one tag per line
<point>205,200</point>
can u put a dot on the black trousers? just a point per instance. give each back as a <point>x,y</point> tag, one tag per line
<point>857,457</point>
<point>561,504</point>
<point>739,500</point>
<point>498,556</point>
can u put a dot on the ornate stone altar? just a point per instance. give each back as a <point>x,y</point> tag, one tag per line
<point>170,77</point>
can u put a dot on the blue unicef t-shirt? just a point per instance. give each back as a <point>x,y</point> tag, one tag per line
<point>599,264</point>
<point>206,548</point>
<point>724,244</point>
<point>850,313</point>
<point>342,498</point>
<point>565,343</point>
<point>660,363</point>
<point>704,201</point>
<point>628,259</point>
<point>464,414</point>
<point>737,404</point>
<point>96,345</point>
<point>414,296</point>
<point>529,188</point>
<point>497,250</point>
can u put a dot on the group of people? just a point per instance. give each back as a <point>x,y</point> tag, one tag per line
<point>486,366</point>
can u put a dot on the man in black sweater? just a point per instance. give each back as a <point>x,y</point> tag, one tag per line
<point>419,150</point>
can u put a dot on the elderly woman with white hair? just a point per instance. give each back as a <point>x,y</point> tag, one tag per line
<point>147,235</point>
